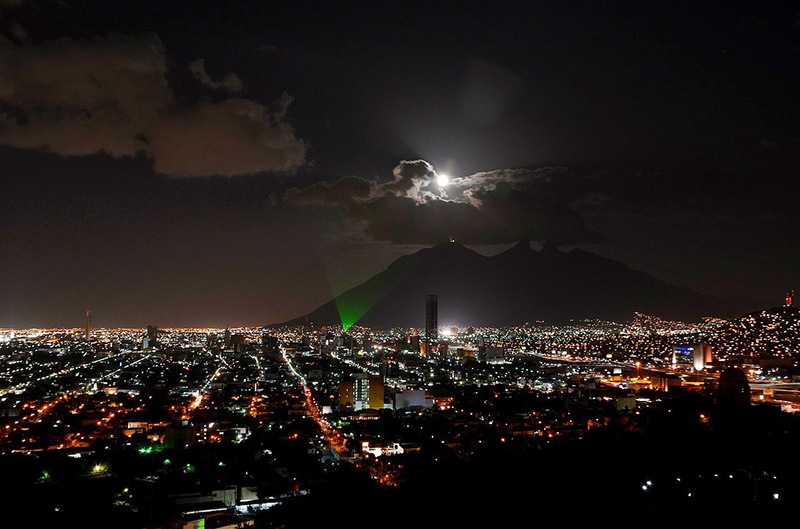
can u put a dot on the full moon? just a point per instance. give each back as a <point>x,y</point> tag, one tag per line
<point>442,180</point>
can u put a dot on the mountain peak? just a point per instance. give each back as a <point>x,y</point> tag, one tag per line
<point>521,249</point>
<point>449,245</point>
<point>448,250</point>
<point>516,286</point>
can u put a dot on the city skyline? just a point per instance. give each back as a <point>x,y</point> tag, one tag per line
<point>101,431</point>
<point>188,165</point>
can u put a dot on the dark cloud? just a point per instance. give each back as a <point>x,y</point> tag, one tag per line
<point>342,191</point>
<point>230,137</point>
<point>512,214</point>
<point>110,95</point>
<point>415,179</point>
<point>402,220</point>
<point>493,207</point>
<point>230,83</point>
<point>81,97</point>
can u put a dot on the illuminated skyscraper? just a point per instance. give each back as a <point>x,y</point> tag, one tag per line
<point>362,392</point>
<point>431,319</point>
<point>88,331</point>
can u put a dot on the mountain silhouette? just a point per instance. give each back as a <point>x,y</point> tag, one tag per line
<point>515,287</point>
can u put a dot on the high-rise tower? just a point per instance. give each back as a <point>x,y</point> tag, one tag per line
<point>88,330</point>
<point>431,320</point>
<point>363,392</point>
<point>151,337</point>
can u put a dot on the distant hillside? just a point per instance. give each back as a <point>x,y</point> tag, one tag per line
<point>773,332</point>
<point>514,287</point>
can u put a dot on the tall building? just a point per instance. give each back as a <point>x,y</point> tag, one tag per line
<point>695,357</point>
<point>151,338</point>
<point>363,392</point>
<point>701,356</point>
<point>88,331</point>
<point>413,343</point>
<point>375,392</point>
<point>431,319</point>
<point>269,343</point>
<point>346,397</point>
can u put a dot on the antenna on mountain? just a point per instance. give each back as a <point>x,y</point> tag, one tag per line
<point>452,239</point>
<point>788,300</point>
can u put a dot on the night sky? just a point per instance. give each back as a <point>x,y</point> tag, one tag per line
<point>240,163</point>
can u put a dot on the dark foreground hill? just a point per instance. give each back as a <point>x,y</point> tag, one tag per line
<point>518,286</point>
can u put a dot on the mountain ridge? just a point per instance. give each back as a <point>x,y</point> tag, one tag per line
<point>517,286</point>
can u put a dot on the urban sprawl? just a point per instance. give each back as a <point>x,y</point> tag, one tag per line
<point>142,410</point>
